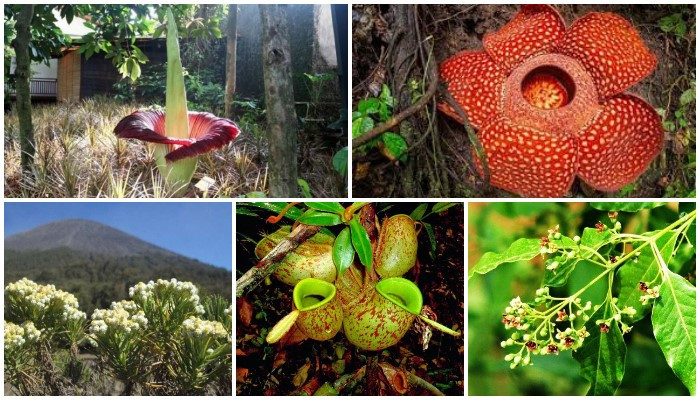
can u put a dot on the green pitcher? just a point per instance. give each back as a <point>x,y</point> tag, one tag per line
<point>383,315</point>
<point>397,247</point>
<point>316,311</point>
<point>312,259</point>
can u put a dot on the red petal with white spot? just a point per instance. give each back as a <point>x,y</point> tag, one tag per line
<point>619,144</point>
<point>476,83</point>
<point>610,49</point>
<point>208,131</point>
<point>534,30</point>
<point>526,161</point>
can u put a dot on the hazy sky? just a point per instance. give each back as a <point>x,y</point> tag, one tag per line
<point>197,230</point>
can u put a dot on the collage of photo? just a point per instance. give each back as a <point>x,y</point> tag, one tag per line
<point>359,199</point>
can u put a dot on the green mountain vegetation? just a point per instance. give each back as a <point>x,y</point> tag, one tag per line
<point>104,275</point>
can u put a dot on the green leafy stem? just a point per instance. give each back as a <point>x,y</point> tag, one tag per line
<point>549,325</point>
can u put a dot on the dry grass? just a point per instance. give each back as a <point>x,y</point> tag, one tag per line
<point>78,155</point>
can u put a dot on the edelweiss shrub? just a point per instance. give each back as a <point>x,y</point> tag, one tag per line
<point>49,308</point>
<point>201,328</point>
<point>160,335</point>
<point>203,354</point>
<point>167,304</point>
<point>17,336</point>
<point>117,334</point>
<point>39,320</point>
<point>20,348</point>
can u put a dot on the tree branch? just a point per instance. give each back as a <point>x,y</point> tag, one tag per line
<point>252,278</point>
<point>396,119</point>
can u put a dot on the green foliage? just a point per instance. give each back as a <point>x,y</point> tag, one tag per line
<point>361,242</point>
<point>602,356</point>
<point>343,252</point>
<point>674,327</point>
<point>626,206</point>
<point>674,23</point>
<point>522,249</point>
<point>98,280</point>
<point>625,275</point>
<point>340,161</point>
<point>378,110</point>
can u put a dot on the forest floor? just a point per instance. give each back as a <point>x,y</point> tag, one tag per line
<point>78,155</point>
<point>301,368</point>
<point>437,164</point>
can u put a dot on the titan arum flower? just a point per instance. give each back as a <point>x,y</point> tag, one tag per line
<point>180,136</point>
<point>549,103</point>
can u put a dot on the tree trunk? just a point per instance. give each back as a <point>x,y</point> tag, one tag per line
<point>23,75</point>
<point>231,43</point>
<point>279,101</point>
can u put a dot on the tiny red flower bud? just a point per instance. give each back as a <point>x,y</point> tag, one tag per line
<point>531,345</point>
<point>613,259</point>
<point>643,286</point>
<point>544,241</point>
<point>568,341</point>
<point>600,226</point>
<point>553,349</point>
<point>561,315</point>
<point>604,328</point>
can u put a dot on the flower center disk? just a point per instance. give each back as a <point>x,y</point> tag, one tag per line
<point>548,88</point>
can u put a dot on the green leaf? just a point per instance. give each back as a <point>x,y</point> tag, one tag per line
<point>340,161</point>
<point>593,239</point>
<point>520,250</point>
<point>343,252</point>
<point>368,106</point>
<point>396,145</point>
<point>361,125</point>
<point>560,276</point>
<point>319,218</point>
<point>687,97</point>
<point>686,208</point>
<point>418,213</point>
<point>673,319</point>
<point>386,96</point>
<point>158,32</point>
<point>135,70</point>
<point>328,206</point>
<point>361,242</point>
<point>645,270</point>
<point>626,206</point>
<point>602,355</point>
<point>305,189</point>
<point>440,207</point>
<point>277,207</point>
<point>431,236</point>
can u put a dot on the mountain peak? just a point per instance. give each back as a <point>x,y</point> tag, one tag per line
<point>81,235</point>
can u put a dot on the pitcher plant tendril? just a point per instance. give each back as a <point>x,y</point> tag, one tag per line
<point>550,325</point>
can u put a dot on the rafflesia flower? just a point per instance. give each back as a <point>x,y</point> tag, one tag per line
<point>548,102</point>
